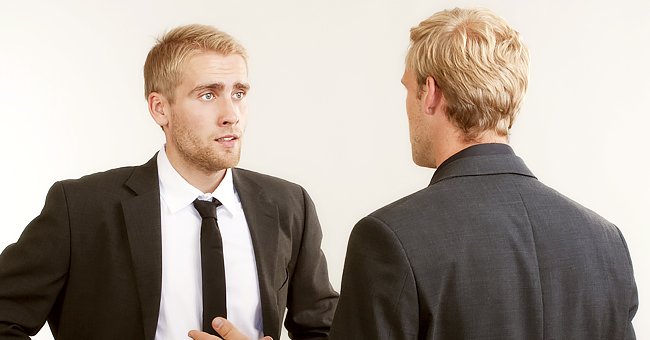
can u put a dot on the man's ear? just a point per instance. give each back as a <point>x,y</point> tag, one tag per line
<point>432,96</point>
<point>158,108</point>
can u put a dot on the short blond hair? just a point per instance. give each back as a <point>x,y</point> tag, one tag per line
<point>165,62</point>
<point>478,62</point>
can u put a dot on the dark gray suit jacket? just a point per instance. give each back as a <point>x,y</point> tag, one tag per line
<point>91,263</point>
<point>486,251</point>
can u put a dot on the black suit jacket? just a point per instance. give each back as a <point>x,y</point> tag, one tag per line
<point>91,263</point>
<point>486,251</point>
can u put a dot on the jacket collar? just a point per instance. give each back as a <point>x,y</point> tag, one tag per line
<point>478,165</point>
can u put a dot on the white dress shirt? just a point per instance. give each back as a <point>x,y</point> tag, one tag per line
<point>181,305</point>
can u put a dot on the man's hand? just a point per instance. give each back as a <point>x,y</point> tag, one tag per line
<point>225,328</point>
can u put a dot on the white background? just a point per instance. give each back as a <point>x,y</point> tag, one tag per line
<point>327,107</point>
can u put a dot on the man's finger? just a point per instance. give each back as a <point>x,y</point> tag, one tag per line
<point>198,335</point>
<point>228,331</point>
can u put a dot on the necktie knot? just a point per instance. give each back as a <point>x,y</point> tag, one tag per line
<point>207,208</point>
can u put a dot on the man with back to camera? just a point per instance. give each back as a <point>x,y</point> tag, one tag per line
<point>154,251</point>
<point>486,251</point>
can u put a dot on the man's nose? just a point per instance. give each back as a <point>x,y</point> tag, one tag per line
<point>229,114</point>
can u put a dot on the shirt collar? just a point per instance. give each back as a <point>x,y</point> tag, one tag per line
<point>178,193</point>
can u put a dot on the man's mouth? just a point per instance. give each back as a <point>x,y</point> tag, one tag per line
<point>227,140</point>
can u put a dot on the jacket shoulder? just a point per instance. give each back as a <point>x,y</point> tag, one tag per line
<point>101,179</point>
<point>266,182</point>
<point>116,177</point>
<point>405,208</point>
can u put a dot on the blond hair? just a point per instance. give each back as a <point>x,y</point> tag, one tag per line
<point>165,62</point>
<point>479,64</point>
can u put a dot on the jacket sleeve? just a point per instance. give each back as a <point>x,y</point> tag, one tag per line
<point>378,292</point>
<point>633,304</point>
<point>34,269</point>
<point>311,300</point>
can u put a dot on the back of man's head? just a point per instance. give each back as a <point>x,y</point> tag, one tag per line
<point>165,62</point>
<point>479,63</point>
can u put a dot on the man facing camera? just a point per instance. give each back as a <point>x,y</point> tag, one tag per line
<point>486,251</point>
<point>154,251</point>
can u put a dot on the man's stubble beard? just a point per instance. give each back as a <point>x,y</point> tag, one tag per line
<point>203,156</point>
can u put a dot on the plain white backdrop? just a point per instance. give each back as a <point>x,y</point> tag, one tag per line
<point>326,106</point>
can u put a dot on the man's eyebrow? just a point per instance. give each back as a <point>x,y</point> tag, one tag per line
<point>216,87</point>
<point>242,86</point>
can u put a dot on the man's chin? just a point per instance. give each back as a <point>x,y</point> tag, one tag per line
<point>227,163</point>
<point>217,163</point>
<point>423,161</point>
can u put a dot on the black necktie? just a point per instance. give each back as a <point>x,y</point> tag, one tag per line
<point>212,269</point>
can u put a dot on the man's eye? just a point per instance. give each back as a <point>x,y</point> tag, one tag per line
<point>238,95</point>
<point>208,96</point>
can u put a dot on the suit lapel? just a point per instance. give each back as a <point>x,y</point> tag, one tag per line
<point>263,222</point>
<point>142,220</point>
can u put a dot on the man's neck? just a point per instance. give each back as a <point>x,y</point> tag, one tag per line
<point>202,179</point>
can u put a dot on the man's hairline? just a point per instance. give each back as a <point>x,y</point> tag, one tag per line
<point>171,97</point>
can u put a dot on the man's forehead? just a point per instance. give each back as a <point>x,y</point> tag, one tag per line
<point>407,76</point>
<point>212,68</point>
